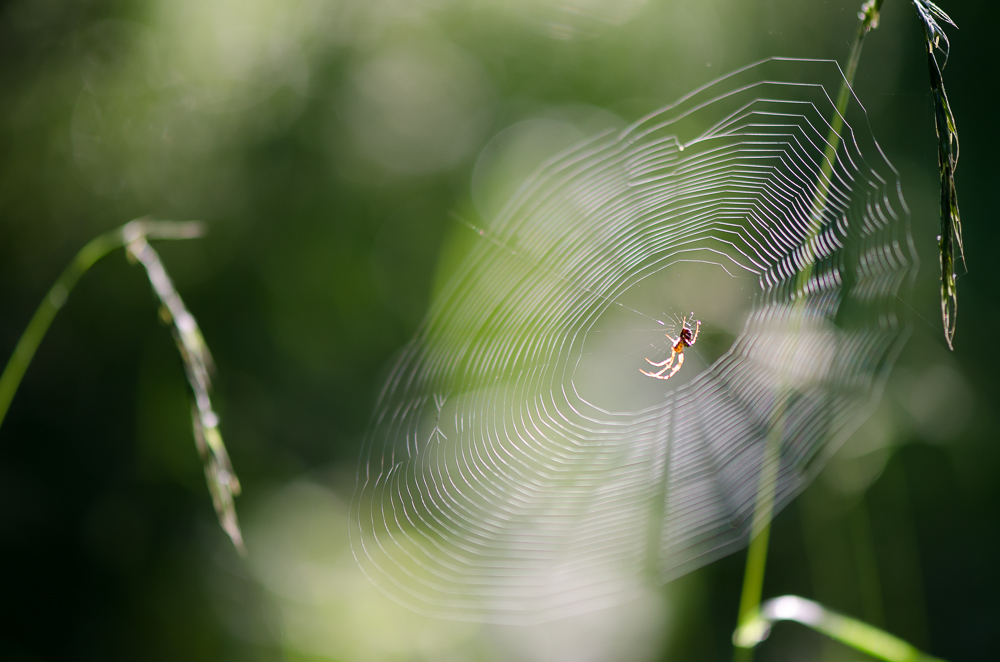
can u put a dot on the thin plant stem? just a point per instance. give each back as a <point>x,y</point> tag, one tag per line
<point>97,248</point>
<point>26,346</point>
<point>869,16</point>
<point>134,237</point>
<point>753,575</point>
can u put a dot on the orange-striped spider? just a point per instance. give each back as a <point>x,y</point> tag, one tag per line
<point>685,339</point>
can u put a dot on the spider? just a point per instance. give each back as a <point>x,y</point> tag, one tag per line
<point>685,339</point>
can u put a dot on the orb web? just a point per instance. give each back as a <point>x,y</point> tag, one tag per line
<point>519,467</point>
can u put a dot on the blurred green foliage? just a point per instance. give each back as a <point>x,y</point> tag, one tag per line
<point>327,143</point>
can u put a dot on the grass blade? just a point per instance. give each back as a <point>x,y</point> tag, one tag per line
<point>952,255</point>
<point>198,366</point>
<point>849,631</point>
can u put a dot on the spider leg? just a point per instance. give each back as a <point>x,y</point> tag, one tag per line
<point>665,363</point>
<point>673,371</point>
<point>697,328</point>
<point>673,350</point>
<point>677,366</point>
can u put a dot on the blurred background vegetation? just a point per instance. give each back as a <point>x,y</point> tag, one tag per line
<point>327,144</point>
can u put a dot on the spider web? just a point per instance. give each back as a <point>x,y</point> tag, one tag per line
<point>520,468</point>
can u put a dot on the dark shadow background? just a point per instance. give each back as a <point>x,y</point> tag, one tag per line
<point>328,191</point>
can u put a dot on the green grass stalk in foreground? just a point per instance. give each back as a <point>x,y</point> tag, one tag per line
<point>134,236</point>
<point>753,575</point>
<point>854,633</point>
<point>754,621</point>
